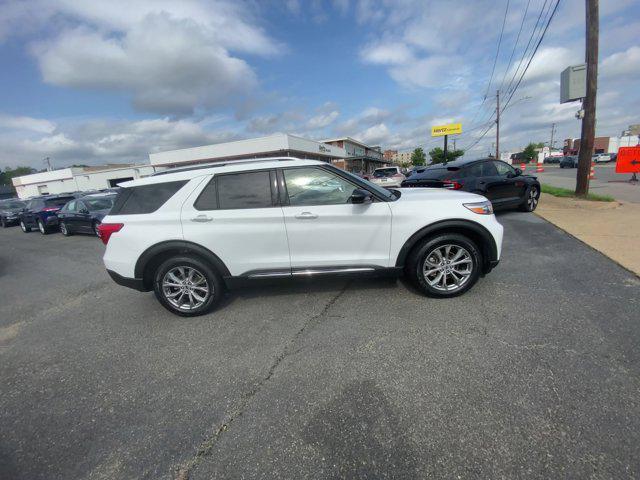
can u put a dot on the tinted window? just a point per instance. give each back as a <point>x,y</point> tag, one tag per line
<point>244,190</point>
<point>99,203</point>
<point>384,172</point>
<point>12,204</point>
<point>145,198</point>
<point>57,202</point>
<point>316,186</point>
<point>208,199</point>
<point>71,207</point>
<point>503,168</point>
<point>438,173</point>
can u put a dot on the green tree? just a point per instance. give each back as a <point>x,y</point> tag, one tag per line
<point>418,157</point>
<point>530,152</point>
<point>437,155</point>
<point>9,173</point>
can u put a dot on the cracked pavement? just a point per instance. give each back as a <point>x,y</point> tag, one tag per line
<point>532,374</point>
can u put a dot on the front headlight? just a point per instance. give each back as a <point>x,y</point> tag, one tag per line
<point>481,208</point>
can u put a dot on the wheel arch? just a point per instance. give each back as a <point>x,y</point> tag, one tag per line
<point>153,256</point>
<point>476,232</point>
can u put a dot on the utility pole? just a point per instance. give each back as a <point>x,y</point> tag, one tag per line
<point>497,124</point>
<point>47,160</point>
<point>454,144</point>
<point>446,137</point>
<point>589,103</point>
<point>553,131</point>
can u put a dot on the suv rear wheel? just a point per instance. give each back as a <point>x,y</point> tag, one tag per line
<point>445,266</point>
<point>187,286</point>
<point>42,227</point>
<point>24,227</point>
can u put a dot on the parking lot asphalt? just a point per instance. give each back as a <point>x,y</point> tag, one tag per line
<point>534,373</point>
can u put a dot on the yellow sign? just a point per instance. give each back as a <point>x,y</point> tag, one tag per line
<point>442,130</point>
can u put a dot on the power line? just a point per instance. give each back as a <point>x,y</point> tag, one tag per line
<point>484,98</point>
<point>555,9</point>
<point>526,49</point>
<point>515,45</point>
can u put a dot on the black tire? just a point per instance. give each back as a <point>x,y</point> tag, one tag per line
<point>4,223</point>
<point>24,227</point>
<point>211,276</point>
<point>65,229</point>
<point>418,258</point>
<point>531,197</point>
<point>43,228</point>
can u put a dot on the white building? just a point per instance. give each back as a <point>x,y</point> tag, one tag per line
<point>279,145</point>
<point>626,141</point>
<point>78,179</point>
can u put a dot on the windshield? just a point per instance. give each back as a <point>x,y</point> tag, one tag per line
<point>99,203</point>
<point>384,172</point>
<point>57,202</point>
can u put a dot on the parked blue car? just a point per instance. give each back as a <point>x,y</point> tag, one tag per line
<point>41,213</point>
<point>84,215</point>
<point>569,161</point>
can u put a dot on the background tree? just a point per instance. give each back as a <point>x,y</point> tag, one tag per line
<point>437,155</point>
<point>9,173</point>
<point>418,157</point>
<point>530,152</point>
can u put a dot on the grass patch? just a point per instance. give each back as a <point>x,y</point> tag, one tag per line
<point>565,192</point>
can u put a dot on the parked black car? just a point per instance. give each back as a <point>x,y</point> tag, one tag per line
<point>569,161</point>
<point>504,185</point>
<point>10,211</point>
<point>40,213</point>
<point>83,215</point>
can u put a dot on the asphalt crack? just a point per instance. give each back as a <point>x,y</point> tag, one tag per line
<point>205,448</point>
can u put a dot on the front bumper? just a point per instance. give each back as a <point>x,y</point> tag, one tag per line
<point>51,221</point>
<point>135,283</point>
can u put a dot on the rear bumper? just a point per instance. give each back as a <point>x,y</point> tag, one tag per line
<point>134,283</point>
<point>51,221</point>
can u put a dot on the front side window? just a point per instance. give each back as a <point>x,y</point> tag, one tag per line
<point>244,190</point>
<point>504,169</point>
<point>99,203</point>
<point>71,206</point>
<point>316,186</point>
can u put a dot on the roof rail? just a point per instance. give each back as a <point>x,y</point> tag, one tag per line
<point>222,164</point>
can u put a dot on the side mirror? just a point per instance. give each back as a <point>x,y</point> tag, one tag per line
<point>84,211</point>
<point>518,172</point>
<point>360,196</point>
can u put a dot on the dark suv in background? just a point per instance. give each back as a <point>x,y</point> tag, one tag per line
<point>10,211</point>
<point>41,213</point>
<point>504,185</point>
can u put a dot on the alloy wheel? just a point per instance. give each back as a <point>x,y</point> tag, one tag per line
<point>448,267</point>
<point>23,226</point>
<point>532,199</point>
<point>63,228</point>
<point>186,288</point>
<point>41,227</point>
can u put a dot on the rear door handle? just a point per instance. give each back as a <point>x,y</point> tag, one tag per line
<point>306,216</point>
<point>201,219</point>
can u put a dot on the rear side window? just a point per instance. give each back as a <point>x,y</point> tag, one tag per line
<point>244,190</point>
<point>57,202</point>
<point>437,174</point>
<point>145,198</point>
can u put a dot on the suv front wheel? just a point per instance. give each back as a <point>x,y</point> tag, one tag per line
<point>445,266</point>
<point>187,286</point>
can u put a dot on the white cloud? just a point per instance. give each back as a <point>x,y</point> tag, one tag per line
<point>26,123</point>
<point>323,120</point>
<point>622,64</point>
<point>392,53</point>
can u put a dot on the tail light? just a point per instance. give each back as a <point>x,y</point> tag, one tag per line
<point>105,230</point>
<point>452,185</point>
<point>51,209</point>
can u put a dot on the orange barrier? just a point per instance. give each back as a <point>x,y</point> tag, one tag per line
<point>539,167</point>
<point>523,166</point>
<point>592,173</point>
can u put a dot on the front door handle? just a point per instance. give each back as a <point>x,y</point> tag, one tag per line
<point>201,219</point>
<point>306,216</point>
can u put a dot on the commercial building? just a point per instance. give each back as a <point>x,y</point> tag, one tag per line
<point>78,179</point>
<point>601,144</point>
<point>389,155</point>
<point>402,157</point>
<point>359,157</point>
<point>279,145</point>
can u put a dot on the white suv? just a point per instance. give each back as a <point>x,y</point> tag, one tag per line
<point>388,177</point>
<point>190,233</point>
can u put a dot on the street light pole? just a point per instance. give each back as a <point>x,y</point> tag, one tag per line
<point>498,125</point>
<point>589,104</point>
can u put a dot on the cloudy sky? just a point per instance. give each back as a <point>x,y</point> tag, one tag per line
<point>112,80</point>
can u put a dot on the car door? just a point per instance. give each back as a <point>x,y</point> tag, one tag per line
<point>513,186</point>
<point>324,229</point>
<point>82,217</point>
<point>66,214</point>
<point>237,217</point>
<point>29,215</point>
